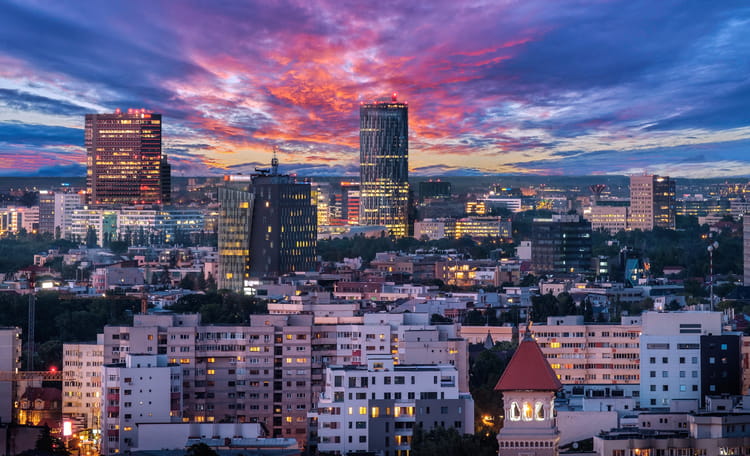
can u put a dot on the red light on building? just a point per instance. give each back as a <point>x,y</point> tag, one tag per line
<point>53,369</point>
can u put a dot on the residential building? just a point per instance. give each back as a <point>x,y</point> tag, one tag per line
<point>384,165</point>
<point>671,355</point>
<point>721,365</point>
<point>375,407</point>
<point>146,388</point>
<point>14,219</point>
<point>652,202</point>
<point>746,249</point>
<point>591,354</point>
<point>65,204</point>
<point>82,385</point>
<point>10,362</point>
<point>608,218</point>
<point>46,212</point>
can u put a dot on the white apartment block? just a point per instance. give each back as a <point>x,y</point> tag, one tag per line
<point>375,407</point>
<point>65,204</point>
<point>143,389</point>
<point>670,355</point>
<point>10,362</point>
<point>14,219</point>
<point>82,384</point>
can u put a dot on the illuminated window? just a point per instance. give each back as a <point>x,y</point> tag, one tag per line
<point>539,411</point>
<point>527,412</point>
<point>211,372</point>
<point>375,412</point>
<point>363,410</point>
<point>554,345</point>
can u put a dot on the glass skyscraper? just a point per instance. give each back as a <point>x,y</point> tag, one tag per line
<point>384,165</point>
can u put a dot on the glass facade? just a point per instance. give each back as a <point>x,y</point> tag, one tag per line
<point>384,165</point>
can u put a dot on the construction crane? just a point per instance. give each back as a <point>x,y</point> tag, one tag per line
<point>25,376</point>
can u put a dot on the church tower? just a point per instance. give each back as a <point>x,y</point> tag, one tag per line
<point>528,386</point>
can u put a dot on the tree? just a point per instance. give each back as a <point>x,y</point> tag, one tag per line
<point>200,449</point>
<point>91,241</point>
<point>46,445</point>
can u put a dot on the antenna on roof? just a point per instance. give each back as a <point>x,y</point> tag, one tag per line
<point>527,334</point>
<point>275,161</point>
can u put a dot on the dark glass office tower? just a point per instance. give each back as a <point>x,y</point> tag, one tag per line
<point>267,228</point>
<point>384,165</point>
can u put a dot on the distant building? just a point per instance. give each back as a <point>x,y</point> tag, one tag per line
<point>46,212</point>
<point>746,249</point>
<point>608,218</point>
<point>16,218</point>
<point>124,159</point>
<point>384,165</point>
<point>267,228</point>
<point>652,202</point>
<point>561,245</point>
<point>434,189</point>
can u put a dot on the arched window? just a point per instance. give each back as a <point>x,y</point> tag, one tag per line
<point>539,411</point>
<point>527,411</point>
<point>515,412</point>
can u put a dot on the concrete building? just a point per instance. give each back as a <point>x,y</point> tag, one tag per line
<point>10,362</point>
<point>125,165</point>
<point>82,385</point>
<point>746,249</point>
<point>375,407</point>
<point>146,388</point>
<point>14,219</point>
<point>384,165</point>
<point>671,355</point>
<point>589,353</point>
<point>652,202</point>
<point>608,218</point>
<point>65,204</point>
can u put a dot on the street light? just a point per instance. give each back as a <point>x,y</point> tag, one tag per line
<point>711,248</point>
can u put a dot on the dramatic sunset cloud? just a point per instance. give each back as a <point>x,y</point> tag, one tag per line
<point>547,87</point>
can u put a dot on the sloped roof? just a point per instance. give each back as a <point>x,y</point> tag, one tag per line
<point>528,370</point>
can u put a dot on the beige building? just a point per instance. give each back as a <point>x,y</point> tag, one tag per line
<point>589,353</point>
<point>608,218</point>
<point>82,384</point>
<point>652,202</point>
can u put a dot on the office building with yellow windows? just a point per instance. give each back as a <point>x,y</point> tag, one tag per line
<point>384,165</point>
<point>125,165</point>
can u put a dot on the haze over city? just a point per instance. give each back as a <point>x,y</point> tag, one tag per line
<point>533,87</point>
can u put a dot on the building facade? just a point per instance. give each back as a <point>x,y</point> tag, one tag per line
<point>384,165</point>
<point>652,202</point>
<point>561,245</point>
<point>10,361</point>
<point>376,406</point>
<point>124,159</point>
<point>82,385</point>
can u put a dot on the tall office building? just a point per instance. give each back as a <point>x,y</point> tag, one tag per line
<point>561,245</point>
<point>267,228</point>
<point>384,165</point>
<point>124,159</point>
<point>652,202</point>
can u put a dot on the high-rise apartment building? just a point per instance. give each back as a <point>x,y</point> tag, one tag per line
<point>82,384</point>
<point>145,388</point>
<point>384,165</point>
<point>652,202</point>
<point>267,228</point>
<point>124,159</point>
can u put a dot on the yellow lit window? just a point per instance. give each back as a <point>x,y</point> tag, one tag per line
<point>211,372</point>
<point>375,412</point>
<point>363,410</point>
<point>254,349</point>
<point>554,345</point>
<point>351,411</point>
<point>211,360</point>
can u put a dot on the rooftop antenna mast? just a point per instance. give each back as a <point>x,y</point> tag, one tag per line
<point>275,161</point>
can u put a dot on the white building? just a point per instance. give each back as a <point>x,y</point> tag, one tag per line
<point>144,389</point>
<point>376,407</point>
<point>670,355</point>
<point>82,384</point>
<point>65,204</point>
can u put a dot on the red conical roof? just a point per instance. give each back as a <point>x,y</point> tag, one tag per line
<point>528,369</point>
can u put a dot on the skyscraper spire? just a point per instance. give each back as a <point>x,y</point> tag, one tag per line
<point>275,162</point>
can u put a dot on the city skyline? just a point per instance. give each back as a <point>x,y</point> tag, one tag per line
<point>521,88</point>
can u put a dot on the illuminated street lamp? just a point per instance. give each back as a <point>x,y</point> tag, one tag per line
<point>711,248</point>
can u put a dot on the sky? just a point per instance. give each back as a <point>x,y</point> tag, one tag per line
<point>494,87</point>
